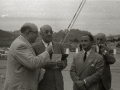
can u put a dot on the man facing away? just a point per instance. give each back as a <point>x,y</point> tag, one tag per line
<point>87,66</point>
<point>52,79</point>
<point>108,57</point>
<point>22,64</point>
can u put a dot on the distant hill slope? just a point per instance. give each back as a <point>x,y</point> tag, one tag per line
<point>74,33</point>
<point>6,38</point>
<point>5,34</point>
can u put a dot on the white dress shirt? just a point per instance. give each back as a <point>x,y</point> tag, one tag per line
<point>88,52</point>
<point>46,44</point>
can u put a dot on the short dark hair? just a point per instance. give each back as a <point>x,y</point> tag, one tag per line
<point>90,36</point>
<point>24,28</point>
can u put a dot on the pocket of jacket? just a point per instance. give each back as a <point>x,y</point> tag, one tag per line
<point>91,70</point>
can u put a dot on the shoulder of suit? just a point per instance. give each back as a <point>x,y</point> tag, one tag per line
<point>77,54</point>
<point>19,44</point>
<point>56,43</point>
<point>22,46</point>
<point>96,54</point>
<point>36,44</point>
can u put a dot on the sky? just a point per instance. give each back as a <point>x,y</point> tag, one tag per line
<point>96,16</point>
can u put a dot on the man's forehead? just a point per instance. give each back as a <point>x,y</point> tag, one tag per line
<point>46,27</point>
<point>85,38</point>
<point>31,25</point>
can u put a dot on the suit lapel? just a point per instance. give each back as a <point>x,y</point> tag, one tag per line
<point>41,47</point>
<point>88,61</point>
<point>56,49</point>
<point>80,61</point>
<point>53,46</point>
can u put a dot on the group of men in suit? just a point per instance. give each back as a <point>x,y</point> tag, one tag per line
<point>29,66</point>
<point>90,69</point>
<point>27,63</point>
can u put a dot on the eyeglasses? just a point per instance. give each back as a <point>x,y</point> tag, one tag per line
<point>36,32</point>
<point>99,39</point>
<point>48,31</point>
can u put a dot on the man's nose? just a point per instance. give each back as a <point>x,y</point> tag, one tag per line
<point>49,33</point>
<point>82,42</point>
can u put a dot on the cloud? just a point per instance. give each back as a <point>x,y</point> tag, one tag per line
<point>5,15</point>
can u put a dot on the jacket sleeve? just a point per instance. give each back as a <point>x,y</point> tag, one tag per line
<point>64,62</point>
<point>73,73</point>
<point>34,46</point>
<point>25,56</point>
<point>109,57</point>
<point>95,77</point>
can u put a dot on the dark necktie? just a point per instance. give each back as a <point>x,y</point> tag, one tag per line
<point>50,53</point>
<point>85,55</point>
<point>99,49</point>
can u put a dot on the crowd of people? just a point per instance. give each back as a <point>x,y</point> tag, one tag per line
<point>29,65</point>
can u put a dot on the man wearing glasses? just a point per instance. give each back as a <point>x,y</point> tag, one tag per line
<point>22,63</point>
<point>109,59</point>
<point>52,79</point>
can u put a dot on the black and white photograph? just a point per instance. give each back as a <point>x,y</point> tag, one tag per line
<point>59,44</point>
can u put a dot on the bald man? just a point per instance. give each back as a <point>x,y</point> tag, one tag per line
<point>53,79</point>
<point>22,63</point>
<point>109,59</point>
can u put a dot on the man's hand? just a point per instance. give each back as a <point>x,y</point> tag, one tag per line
<point>102,48</point>
<point>49,65</point>
<point>49,49</point>
<point>82,88</point>
<point>60,64</point>
<point>80,83</point>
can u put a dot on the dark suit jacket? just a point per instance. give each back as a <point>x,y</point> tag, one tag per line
<point>90,70</point>
<point>53,79</point>
<point>108,59</point>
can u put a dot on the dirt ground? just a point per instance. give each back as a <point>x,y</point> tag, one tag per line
<point>115,69</point>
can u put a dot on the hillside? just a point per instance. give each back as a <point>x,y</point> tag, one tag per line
<point>5,34</point>
<point>6,38</point>
<point>74,33</point>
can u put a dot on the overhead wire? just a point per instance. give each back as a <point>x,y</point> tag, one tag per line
<point>78,13</point>
<point>73,20</point>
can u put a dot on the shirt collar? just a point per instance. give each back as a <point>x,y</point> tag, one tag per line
<point>46,44</point>
<point>88,52</point>
<point>97,48</point>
